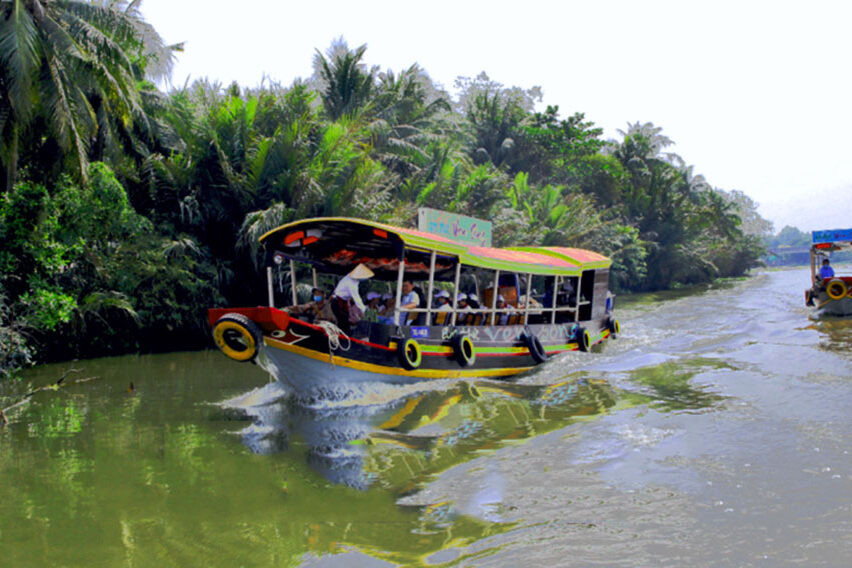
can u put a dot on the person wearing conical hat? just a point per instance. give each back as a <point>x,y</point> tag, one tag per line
<point>346,293</point>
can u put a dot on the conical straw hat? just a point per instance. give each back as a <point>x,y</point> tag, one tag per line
<point>361,272</point>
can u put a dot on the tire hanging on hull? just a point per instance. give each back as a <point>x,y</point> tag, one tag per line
<point>237,337</point>
<point>836,289</point>
<point>584,339</point>
<point>463,350</point>
<point>409,354</point>
<point>535,347</point>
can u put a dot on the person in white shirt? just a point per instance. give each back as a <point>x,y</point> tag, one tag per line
<point>463,306</point>
<point>503,317</point>
<point>346,294</point>
<point>410,301</point>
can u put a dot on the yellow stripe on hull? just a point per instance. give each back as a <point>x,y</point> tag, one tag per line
<point>385,370</point>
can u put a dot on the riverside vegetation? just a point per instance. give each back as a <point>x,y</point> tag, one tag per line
<point>125,211</point>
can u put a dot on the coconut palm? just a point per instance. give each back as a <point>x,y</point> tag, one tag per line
<point>346,84</point>
<point>69,68</point>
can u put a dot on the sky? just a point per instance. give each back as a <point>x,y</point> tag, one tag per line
<point>756,95</point>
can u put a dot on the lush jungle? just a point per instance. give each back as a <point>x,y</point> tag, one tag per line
<point>126,210</point>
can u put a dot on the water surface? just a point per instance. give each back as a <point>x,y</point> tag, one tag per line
<point>714,431</point>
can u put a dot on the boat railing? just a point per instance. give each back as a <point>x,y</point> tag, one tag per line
<point>492,313</point>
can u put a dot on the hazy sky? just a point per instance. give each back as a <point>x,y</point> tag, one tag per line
<point>756,95</point>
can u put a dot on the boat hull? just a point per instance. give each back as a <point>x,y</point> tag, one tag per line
<point>831,307</point>
<point>310,357</point>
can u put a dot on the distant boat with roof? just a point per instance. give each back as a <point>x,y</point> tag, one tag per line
<point>830,292</point>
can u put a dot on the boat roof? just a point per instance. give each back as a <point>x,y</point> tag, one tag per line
<point>338,244</point>
<point>831,240</point>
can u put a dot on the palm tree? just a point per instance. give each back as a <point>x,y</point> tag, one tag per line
<point>346,83</point>
<point>70,68</point>
<point>405,107</point>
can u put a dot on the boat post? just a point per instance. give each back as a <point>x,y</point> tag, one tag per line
<point>553,300</point>
<point>577,301</point>
<point>293,281</point>
<point>314,275</point>
<point>529,298</point>
<point>456,292</point>
<point>813,267</point>
<point>494,297</point>
<point>269,288</point>
<point>396,311</point>
<point>431,287</point>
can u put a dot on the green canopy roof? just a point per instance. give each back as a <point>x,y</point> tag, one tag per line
<point>340,244</point>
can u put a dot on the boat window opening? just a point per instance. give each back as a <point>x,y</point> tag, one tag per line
<point>330,249</point>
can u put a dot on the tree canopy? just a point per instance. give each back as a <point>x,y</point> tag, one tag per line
<point>136,209</point>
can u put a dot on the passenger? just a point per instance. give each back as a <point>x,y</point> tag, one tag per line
<point>410,301</point>
<point>383,304</point>
<point>826,271</point>
<point>346,297</point>
<point>372,312</point>
<point>386,315</point>
<point>567,295</point>
<point>473,301</point>
<point>463,306</point>
<point>317,309</point>
<point>442,298</point>
<point>507,309</point>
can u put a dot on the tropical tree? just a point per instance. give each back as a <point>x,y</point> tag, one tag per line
<point>346,85</point>
<point>70,69</point>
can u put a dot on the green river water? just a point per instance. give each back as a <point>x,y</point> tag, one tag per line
<point>714,432</point>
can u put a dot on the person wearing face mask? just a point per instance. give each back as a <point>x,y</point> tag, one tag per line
<point>318,309</point>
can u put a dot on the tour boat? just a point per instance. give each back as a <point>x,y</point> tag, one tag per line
<point>555,299</point>
<point>831,295</point>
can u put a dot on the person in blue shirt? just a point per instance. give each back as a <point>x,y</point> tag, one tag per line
<point>826,271</point>
<point>410,301</point>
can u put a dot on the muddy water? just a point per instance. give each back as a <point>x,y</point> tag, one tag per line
<point>715,431</point>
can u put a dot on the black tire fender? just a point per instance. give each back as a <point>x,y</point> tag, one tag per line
<point>409,354</point>
<point>584,339</point>
<point>463,350</point>
<point>237,337</point>
<point>614,327</point>
<point>535,348</point>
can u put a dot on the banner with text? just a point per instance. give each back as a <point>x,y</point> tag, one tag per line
<point>462,229</point>
<point>832,236</point>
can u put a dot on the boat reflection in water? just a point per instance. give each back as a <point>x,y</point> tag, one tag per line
<point>390,441</point>
<point>381,439</point>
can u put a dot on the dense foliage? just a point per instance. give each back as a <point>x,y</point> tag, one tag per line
<point>127,211</point>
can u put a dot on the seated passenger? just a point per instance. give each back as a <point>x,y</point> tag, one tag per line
<point>317,309</point>
<point>383,303</point>
<point>386,315</point>
<point>826,271</point>
<point>506,310</point>
<point>371,314</point>
<point>463,306</point>
<point>410,301</point>
<point>567,295</point>
<point>442,299</point>
<point>473,301</point>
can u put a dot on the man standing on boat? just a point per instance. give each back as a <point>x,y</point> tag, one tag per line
<point>346,295</point>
